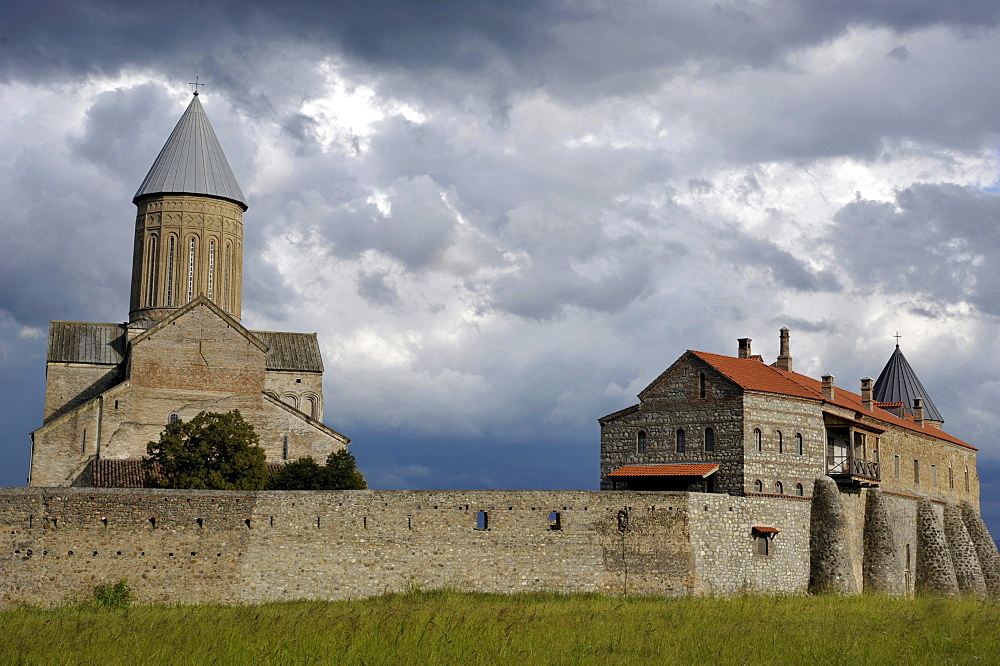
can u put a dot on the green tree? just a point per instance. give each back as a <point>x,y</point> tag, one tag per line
<point>339,473</point>
<point>211,451</point>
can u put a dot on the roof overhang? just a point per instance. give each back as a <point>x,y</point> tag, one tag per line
<point>700,470</point>
<point>831,419</point>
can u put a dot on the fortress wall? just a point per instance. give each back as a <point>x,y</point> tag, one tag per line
<point>58,544</point>
<point>722,539</point>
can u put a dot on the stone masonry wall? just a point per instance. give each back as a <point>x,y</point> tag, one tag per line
<point>208,546</point>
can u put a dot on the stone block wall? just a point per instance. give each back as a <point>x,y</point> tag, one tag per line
<point>68,385</point>
<point>780,419</point>
<point>205,546</point>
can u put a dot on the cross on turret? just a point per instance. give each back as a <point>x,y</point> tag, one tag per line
<point>196,84</point>
<point>897,336</point>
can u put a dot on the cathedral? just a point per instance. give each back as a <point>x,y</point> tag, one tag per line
<point>112,387</point>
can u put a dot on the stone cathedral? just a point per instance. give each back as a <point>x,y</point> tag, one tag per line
<point>111,387</point>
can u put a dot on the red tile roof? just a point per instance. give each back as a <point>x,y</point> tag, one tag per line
<point>753,375</point>
<point>673,469</point>
<point>128,473</point>
<point>765,529</point>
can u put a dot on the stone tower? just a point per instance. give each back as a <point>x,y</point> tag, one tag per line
<point>188,227</point>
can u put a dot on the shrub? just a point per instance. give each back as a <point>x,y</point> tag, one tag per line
<point>114,595</point>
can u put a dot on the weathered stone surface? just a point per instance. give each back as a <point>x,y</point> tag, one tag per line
<point>963,553</point>
<point>935,571</point>
<point>986,548</point>
<point>831,568</point>
<point>882,574</point>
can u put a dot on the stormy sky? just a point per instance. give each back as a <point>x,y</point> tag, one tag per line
<point>504,219</point>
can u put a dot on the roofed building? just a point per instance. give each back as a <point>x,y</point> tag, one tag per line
<point>111,388</point>
<point>739,426</point>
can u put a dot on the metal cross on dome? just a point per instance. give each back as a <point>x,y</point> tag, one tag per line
<point>196,84</point>
<point>897,336</point>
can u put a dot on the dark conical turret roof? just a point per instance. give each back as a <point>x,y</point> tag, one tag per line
<point>899,383</point>
<point>192,162</point>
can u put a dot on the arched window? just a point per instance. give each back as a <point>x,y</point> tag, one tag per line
<point>227,268</point>
<point>211,270</point>
<point>702,389</point>
<point>151,273</point>
<point>173,418</point>
<point>799,490</point>
<point>779,489</point>
<point>798,443</point>
<point>310,406</point>
<point>191,270</point>
<point>284,447</point>
<point>681,443</point>
<point>290,399</point>
<point>709,439</point>
<point>170,272</point>
<point>781,442</point>
<point>640,442</point>
<point>758,439</point>
<point>966,479</point>
<point>758,486</point>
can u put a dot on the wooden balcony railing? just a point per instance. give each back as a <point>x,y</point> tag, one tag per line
<point>853,467</point>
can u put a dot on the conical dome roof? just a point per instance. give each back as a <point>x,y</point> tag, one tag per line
<point>899,383</point>
<point>192,162</point>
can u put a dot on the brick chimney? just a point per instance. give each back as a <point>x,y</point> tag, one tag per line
<point>828,387</point>
<point>918,411</point>
<point>744,347</point>
<point>784,361</point>
<point>867,398</point>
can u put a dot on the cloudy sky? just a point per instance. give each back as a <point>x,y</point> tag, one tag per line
<point>505,218</point>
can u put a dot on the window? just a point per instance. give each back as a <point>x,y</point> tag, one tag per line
<point>762,546</point>
<point>781,441</point>
<point>211,269</point>
<point>555,520</point>
<point>798,444</point>
<point>151,275</point>
<point>758,440</point>
<point>702,389</point>
<point>284,447</point>
<point>758,486</point>
<point>951,478</point>
<point>173,417</point>
<point>681,445</point>
<point>916,472</point>
<point>933,475</point>
<point>895,465</point>
<point>83,444</point>
<point>225,287</point>
<point>191,270</point>
<point>170,272</point>
<point>779,489</point>
<point>482,520</point>
<point>709,439</point>
<point>966,479</point>
<point>799,490</point>
<point>640,442</point>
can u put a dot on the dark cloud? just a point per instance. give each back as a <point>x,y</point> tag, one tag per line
<point>936,241</point>
<point>781,267</point>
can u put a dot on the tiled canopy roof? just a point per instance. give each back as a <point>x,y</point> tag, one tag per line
<point>86,342</point>
<point>192,162</point>
<point>672,469</point>
<point>899,383</point>
<point>754,375</point>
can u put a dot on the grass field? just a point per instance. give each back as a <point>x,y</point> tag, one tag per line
<point>455,628</point>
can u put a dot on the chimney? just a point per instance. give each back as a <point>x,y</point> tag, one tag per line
<point>744,347</point>
<point>784,361</point>
<point>828,387</point>
<point>867,399</point>
<point>918,411</point>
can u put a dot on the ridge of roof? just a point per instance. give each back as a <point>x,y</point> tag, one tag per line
<point>752,375</point>
<point>192,162</point>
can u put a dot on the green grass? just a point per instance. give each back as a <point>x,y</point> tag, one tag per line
<point>455,628</point>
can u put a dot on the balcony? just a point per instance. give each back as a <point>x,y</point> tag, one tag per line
<point>849,469</point>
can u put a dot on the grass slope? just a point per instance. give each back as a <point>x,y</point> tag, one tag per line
<point>455,628</point>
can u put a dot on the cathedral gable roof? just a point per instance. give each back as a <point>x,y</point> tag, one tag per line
<point>291,351</point>
<point>201,301</point>
<point>86,342</point>
<point>192,162</point>
<point>899,383</point>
